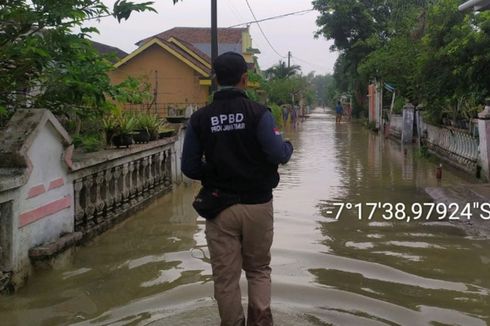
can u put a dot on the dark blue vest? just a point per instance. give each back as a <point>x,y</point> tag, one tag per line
<point>227,129</point>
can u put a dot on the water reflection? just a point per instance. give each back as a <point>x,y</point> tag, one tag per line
<point>154,268</point>
<point>424,254</point>
<point>145,255</point>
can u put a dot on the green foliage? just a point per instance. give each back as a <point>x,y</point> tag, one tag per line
<point>119,122</point>
<point>88,143</point>
<point>132,91</point>
<point>252,94</point>
<point>399,104</point>
<point>286,85</point>
<point>396,62</point>
<point>321,85</point>
<point>109,122</point>
<point>148,122</point>
<point>422,151</point>
<point>455,67</point>
<point>282,91</point>
<point>255,77</point>
<point>43,63</point>
<point>125,124</point>
<point>123,9</point>
<point>282,71</point>
<point>4,114</point>
<point>434,54</point>
<point>277,114</point>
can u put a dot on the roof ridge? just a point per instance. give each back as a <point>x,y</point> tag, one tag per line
<point>187,33</point>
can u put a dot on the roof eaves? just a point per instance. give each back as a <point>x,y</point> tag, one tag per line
<point>192,51</point>
<point>172,49</point>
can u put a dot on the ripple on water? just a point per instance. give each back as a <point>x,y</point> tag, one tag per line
<point>154,268</point>
<point>402,255</point>
<point>359,245</point>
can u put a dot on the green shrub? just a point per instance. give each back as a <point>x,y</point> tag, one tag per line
<point>89,143</point>
<point>277,114</point>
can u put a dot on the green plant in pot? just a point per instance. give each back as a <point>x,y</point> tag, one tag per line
<point>125,125</point>
<point>147,127</point>
<point>109,123</point>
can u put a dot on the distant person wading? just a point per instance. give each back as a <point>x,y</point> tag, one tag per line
<point>234,148</point>
<point>339,110</point>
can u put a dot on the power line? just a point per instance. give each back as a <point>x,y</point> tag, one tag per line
<point>309,63</point>
<point>273,17</point>
<point>260,28</point>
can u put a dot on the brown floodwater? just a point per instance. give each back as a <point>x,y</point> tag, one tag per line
<point>153,269</point>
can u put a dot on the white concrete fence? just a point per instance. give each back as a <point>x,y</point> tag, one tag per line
<point>396,126</point>
<point>464,149</point>
<point>455,145</point>
<point>52,198</point>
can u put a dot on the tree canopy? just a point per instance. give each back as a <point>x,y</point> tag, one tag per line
<point>432,53</point>
<point>286,85</point>
<point>281,71</point>
<point>44,63</point>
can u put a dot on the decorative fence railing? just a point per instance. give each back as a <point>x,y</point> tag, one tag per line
<point>53,196</point>
<point>456,145</point>
<point>459,147</point>
<point>110,189</point>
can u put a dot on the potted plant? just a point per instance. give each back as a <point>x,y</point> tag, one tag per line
<point>147,127</point>
<point>125,125</point>
<point>109,124</point>
<point>141,134</point>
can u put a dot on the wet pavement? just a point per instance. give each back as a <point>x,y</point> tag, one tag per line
<point>153,268</point>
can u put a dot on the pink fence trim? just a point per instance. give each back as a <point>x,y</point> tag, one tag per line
<point>44,211</point>
<point>36,191</point>
<point>56,183</point>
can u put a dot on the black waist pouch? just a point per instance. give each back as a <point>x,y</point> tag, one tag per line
<point>210,202</point>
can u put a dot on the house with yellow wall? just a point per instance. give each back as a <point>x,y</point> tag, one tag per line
<point>176,64</point>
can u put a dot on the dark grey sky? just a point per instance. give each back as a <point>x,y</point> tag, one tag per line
<point>293,33</point>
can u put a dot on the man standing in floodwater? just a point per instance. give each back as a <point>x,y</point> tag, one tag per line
<point>242,149</point>
<point>339,110</point>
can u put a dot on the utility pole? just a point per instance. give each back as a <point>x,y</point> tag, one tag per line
<point>214,41</point>
<point>289,59</point>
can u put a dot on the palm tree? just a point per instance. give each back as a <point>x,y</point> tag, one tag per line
<point>282,71</point>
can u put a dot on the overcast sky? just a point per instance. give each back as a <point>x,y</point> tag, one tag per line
<point>293,33</point>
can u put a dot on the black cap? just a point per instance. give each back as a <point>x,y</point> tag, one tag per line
<point>229,68</point>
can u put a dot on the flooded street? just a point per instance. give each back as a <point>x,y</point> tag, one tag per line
<point>153,268</point>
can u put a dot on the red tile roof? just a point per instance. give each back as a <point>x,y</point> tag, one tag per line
<point>107,49</point>
<point>199,35</point>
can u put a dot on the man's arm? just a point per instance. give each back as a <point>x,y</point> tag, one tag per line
<point>277,150</point>
<point>192,164</point>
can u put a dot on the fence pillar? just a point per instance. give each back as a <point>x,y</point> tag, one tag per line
<point>418,123</point>
<point>408,118</point>
<point>484,132</point>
